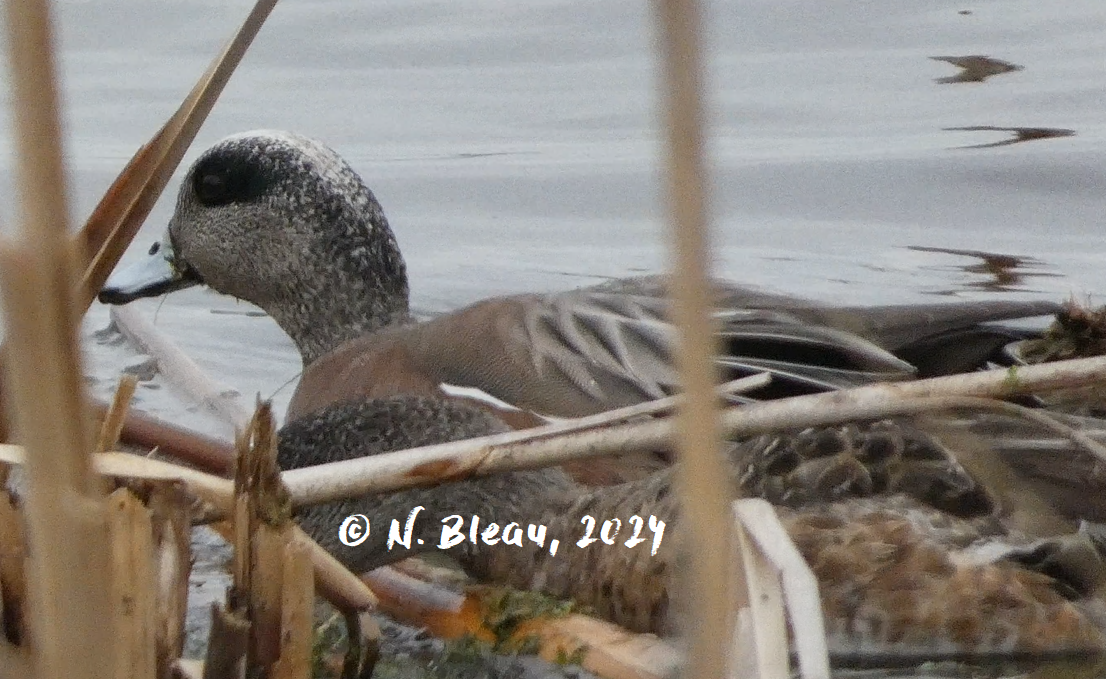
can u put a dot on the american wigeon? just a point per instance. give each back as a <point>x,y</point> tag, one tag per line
<point>912,554</point>
<point>282,221</point>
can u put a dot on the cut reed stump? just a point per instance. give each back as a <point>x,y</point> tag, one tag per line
<point>227,642</point>
<point>13,552</point>
<point>133,590</point>
<point>273,584</point>
<point>150,529</point>
<point>170,513</point>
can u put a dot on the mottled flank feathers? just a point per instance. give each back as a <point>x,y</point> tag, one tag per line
<point>897,574</point>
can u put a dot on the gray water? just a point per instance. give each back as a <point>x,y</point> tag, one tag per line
<point>516,147</point>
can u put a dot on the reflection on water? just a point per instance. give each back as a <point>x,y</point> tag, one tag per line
<point>975,68</point>
<point>1020,134</point>
<point>1001,273</point>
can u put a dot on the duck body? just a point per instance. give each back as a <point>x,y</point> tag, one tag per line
<point>591,351</point>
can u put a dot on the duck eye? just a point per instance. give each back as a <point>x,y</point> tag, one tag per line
<point>211,189</point>
<point>228,178</point>
<point>155,247</point>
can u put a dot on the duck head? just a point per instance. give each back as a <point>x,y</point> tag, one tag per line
<point>281,221</point>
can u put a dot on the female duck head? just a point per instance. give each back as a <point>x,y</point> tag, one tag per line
<point>282,221</point>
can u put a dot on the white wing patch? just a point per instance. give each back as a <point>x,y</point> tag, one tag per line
<point>475,394</point>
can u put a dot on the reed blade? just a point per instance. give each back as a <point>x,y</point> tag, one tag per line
<point>126,204</point>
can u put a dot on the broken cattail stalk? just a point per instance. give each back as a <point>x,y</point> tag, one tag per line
<point>800,589</point>
<point>116,414</point>
<point>268,545</point>
<point>227,643</point>
<point>13,587</point>
<point>760,625</point>
<point>241,573</point>
<point>171,510</point>
<point>297,614</point>
<point>334,582</point>
<point>134,592</point>
<point>262,532</point>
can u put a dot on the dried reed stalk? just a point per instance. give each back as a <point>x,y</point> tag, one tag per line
<point>335,582</point>
<point>537,448</point>
<point>15,662</point>
<point>127,203</point>
<point>13,552</point>
<point>715,580</point>
<point>262,514</point>
<point>761,625</point>
<point>65,508</point>
<point>268,544</point>
<point>227,643</point>
<point>116,414</point>
<point>297,614</point>
<point>179,369</point>
<point>609,651</point>
<point>264,534</point>
<point>800,589</point>
<point>134,591</point>
<point>208,453</point>
<point>411,600</point>
<point>171,510</point>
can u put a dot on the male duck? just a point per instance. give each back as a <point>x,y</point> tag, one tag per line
<point>282,221</point>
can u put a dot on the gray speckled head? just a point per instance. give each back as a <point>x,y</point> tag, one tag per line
<point>282,221</point>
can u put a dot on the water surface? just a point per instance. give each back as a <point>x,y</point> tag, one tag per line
<point>516,147</point>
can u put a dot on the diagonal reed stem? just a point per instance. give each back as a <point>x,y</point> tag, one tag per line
<point>535,448</point>
<point>126,204</point>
